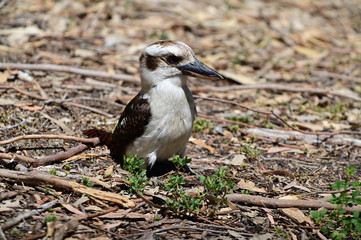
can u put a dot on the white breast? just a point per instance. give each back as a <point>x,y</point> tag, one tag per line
<point>172,109</point>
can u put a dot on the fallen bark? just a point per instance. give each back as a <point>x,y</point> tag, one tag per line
<point>309,138</point>
<point>41,178</point>
<point>282,203</point>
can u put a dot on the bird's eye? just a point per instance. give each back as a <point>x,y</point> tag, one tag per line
<point>172,59</point>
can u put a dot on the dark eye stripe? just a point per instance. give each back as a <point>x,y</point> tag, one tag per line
<point>172,59</point>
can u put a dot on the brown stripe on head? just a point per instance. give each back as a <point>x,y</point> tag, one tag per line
<point>163,43</point>
<point>152,62</point>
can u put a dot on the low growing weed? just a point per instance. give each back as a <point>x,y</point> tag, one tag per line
<point>339,224</point>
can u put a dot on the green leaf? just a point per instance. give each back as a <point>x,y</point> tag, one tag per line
<point>357,200</point>
<point>315,214</point>
<point>355,194</point>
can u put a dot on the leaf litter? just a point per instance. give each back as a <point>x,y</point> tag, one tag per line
<point>276,49</point>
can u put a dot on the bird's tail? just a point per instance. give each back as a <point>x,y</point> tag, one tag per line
<point>104,136</point>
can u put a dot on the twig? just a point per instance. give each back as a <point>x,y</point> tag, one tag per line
<point>150,203</point>
<point>81,106</point>
<point>298,226</point>
<point>75,70</point>
<point>313,138</point>
<point>35,236</point>
<point>97,214</point>
<point>3,3</point>
<point>13,165</point>
<point>62,125</point>
<point>282,203</point>
<point>17,157</point>
<point>48,159</point>
<point>277,116</point>
<point>22,91</point>
<point>57,101</point>
<point>114,235</point>
<point>37,178</point>
<point>14,126</point>
<point>60,156</point>
<point>278,87</point>
<point>336,76</point>
<point>93,141</point>
<point>189,228</point>
<point>224,120</point>
<point>20,217</point>
<point>95,99</point>
<point>52,158</point>
<point>221,227</point>
<point>2,235</point>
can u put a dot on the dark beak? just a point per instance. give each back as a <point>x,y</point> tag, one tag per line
<point>199,69</point>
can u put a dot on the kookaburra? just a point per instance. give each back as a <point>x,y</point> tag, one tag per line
<point>158,122</point>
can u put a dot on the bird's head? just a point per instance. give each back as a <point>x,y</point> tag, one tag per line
<point>171,61</point>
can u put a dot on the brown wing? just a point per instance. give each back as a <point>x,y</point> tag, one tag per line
<point>132,124</point>
<point>103,136</point>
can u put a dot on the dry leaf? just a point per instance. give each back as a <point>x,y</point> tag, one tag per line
<point>239,78</point>
<point>248,185</point>
<point>278,149</point>
<point>297,215</point>
<point>4,76</point>
<point>109,171</point>
<point>308,52</point>
<point>202,144</point>
<point>32,108</point>
<point>238,159</point>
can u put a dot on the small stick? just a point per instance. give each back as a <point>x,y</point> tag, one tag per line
<point>277,116</point>
<point>20,217</point>
<point>278,87</point>
<point>92,141</point>
<point>74,104</point>
<point>2,235</point>
<point>336,76</point>
<point>14,126</point>
<point>57,101</point>
<point>60,156</point>
<point>97,214</point>
<point>17,157</point>
<point>69,69</point>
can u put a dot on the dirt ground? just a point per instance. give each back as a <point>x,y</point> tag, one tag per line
<point>285,121</point>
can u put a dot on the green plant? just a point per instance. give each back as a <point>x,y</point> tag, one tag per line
<point>243,191</point>
<point>338,223</point>
<point>266,124</point>
<point>202,125</point>
<point>51,218</point>
<point>281,232</point>
<point>137,179</point>
<point>180,203</point>
<point>245,119</point>
<point>233,128</point>
<point>67,166</point>
<point>251,152</point>
<point>87,182</point>
<point>53,172</point>
<point>218,185</point>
